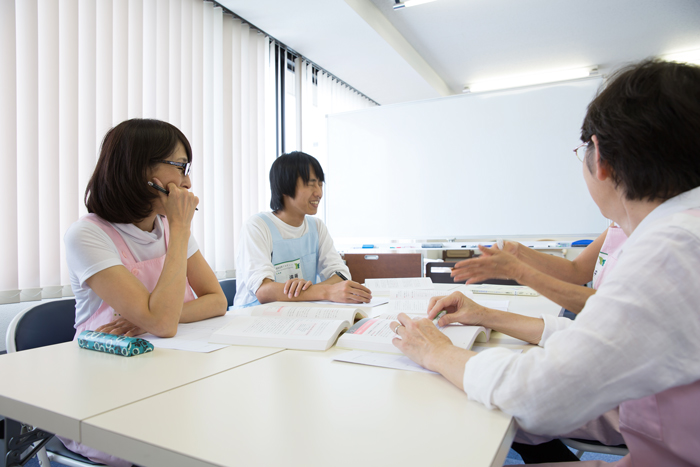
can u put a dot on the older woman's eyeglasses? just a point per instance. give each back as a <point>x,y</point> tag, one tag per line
<point>184,165</point>
<point>580,150</point>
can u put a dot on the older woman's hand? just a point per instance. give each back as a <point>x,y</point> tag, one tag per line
<point>420,340</point>
<point>459,308</point>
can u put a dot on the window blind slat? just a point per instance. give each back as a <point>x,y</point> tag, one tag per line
<point>69,192</point>
<point>9,287</point>
<point>120,62</point>
<point>28,149</point>
<point>49,205</point>
<point>135,68</point>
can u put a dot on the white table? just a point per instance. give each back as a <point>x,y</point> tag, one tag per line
<point>59,386</point>
<point>302,409</point>
<point>254,406</point>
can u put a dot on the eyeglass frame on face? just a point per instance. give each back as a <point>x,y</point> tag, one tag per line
<point>582,145</point>
<point>185,165</point>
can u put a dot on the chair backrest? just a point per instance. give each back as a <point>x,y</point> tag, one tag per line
<point>443,277</point>
<point>47,323</point>
<point>229,288</point>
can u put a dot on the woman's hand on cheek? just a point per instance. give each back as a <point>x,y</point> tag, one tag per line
<point>179,205</point>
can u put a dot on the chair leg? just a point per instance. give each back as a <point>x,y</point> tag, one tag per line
<point>43,458</point>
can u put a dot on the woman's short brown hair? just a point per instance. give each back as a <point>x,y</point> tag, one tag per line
<point>118,190</point>
<point>647,121</point>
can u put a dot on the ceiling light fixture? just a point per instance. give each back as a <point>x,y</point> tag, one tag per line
<point>691,56</point>
<point>532,79</point>
<point>399,4</point>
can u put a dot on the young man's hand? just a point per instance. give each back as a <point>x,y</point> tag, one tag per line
<point>293,287</point>
<point>349,292</point>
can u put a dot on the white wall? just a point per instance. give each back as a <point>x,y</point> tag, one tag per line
<point>476,165</point>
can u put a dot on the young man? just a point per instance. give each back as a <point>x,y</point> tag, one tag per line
<point>634,344</point>
<point>286,255</point>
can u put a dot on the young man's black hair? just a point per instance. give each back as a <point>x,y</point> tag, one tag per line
<point>284,174</point>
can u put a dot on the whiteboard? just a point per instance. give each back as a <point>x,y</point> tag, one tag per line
<point>496,164</point>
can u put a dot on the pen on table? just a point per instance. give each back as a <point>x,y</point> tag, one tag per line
<point>341,276</point>
<point>162,190</point>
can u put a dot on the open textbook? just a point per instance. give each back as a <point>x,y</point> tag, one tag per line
<point>289,327</point>
<point>411,301</point>
<point>383,286</point>
<point>375,334</point>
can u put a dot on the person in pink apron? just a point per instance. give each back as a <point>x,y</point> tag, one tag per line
<point>634,345</point>
<point>559,280</point>
<point>134,265</point>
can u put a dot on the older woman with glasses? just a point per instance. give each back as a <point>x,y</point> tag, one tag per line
<point>635,343</point>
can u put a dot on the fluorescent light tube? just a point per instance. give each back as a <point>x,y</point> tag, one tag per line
<point>531,79</point>
<point>691,56</point>
<point>409,3</point>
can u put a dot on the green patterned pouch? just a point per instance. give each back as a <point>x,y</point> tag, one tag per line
<point>117,345</point>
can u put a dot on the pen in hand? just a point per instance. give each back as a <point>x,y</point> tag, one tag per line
<point>341,276</point>
<point>163,190</point>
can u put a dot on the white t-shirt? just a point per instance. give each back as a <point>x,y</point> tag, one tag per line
<point>254,256</point>
<point>637,336</point>
<point>89,250</point>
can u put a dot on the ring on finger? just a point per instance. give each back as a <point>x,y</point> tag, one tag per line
<point>396,329</point>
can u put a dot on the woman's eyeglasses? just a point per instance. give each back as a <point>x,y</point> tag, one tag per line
<point>580,150</point>
<point>184,165</point>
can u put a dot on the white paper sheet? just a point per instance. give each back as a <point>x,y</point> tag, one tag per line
<point>397,362</point>
<point>192,337</point>
<point>384,360</point>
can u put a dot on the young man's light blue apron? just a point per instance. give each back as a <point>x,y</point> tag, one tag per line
<point>293,258</point>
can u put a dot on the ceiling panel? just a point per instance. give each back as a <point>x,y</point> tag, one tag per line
<point>472,40</point>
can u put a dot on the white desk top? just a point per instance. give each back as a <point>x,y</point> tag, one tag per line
<point>299,408</point>
<point>58,386</point>
<point>255,405</point>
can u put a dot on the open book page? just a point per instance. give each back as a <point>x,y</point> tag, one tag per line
<point>411,301</point>
<point>383,286</point>
<point>284,332</point>
<point>346,314</point>
<point>376,301</point>
<point>193,337</point>
<point>376,335</point>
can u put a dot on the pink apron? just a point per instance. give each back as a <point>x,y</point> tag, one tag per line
<point>663,429</point>
<point>148,272</point>
<point>609,253</point>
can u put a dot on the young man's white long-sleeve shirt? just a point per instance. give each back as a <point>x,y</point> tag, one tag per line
<point>253,259</point>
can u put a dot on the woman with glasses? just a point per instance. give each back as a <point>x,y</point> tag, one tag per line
<point>635,343</point>
<point>133,261</point>
<point>134,265</point>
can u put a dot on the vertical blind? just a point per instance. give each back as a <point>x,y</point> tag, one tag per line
<point>72,69</point>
